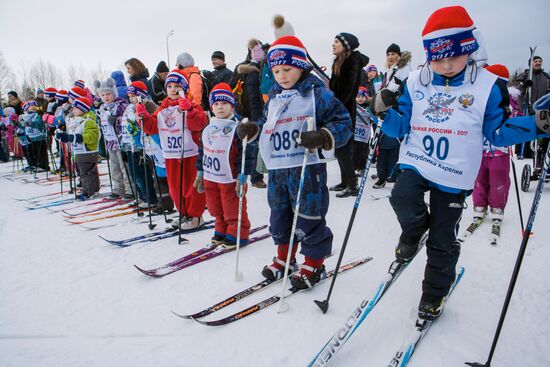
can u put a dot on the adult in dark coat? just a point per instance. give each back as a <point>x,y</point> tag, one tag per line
<point>344,82</point>
<point>15,102</point>
<point>220,74</point>
<point>157,83</point>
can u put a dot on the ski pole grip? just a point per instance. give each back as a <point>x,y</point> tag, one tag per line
<point>310,124</point>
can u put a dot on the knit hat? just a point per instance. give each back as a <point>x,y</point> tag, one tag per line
<point>138,88</point>
<point>39,90</point>
<point>499,70</point>
<point>50,92</point>
<point>62,96</point>
<point>222,92</point>
<point>162,67</point>
<point>537,58</point>
<point>372,67</point>
<point>83,104</point>
<point>448,33</point>
<point>106,86</point>
<point>393,48</point>
<point>288,50</point>
<point>77,92</point>
<point>349,41</point>
<point>80,83</point>
<point>363,92</point>
<point>29,104</point>
<point>282,27</point>
<point>185,60</point>
<point>13,94</point>
<point>176,76</point>
<point>218,55</point>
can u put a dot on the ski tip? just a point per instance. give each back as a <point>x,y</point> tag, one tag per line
<point>146,272</point>
<point>476,364</point>
<point>323,305</point>
<point>187,317</point>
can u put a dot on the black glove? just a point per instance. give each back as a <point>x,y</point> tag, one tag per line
<point>315,139</point>
<point>78,138</point>
<point>112,119</point>
<point>382,101</point>
<point>543,121</point>
<point>71,138</point>
<point>527,83</point>
<point>247,128</point>
<point>62,137</point>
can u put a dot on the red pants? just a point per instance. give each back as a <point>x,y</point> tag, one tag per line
<point>193,202</point>
<point>223,204</point>
<point>493,182</point>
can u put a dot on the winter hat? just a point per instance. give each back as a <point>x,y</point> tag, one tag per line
<point>363,92</point>
<point>77,92</point>
<point>282,27</point>
<point>106,86</point>
<point>176,76</point>
<point>537,58</point>
<point>185,60</point>
<point>83,104</point>
<point>499,70</point>
<point>138,88</point>
<point>39,90</point>
<point>393,48</point>
<point>218,55</point>
<point>288,50</point>
<point>222,92</point>
<point>162,67</point>
<point>449,32</point>
<point>50,92</point>
<point>349,41</point>
<point>80,83</point>
<point>29,104</point>
<point>372,67</point>
<point>13,94</point>
<point>62,96</point>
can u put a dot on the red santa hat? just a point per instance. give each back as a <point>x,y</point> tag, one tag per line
<point>499,70</point>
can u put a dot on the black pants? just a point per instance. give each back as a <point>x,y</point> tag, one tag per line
<point>162,191</point>
<point>87,168</point>
<point>39,154</point>
<point>360,155</point>
<point>443,250</point>
<point>345,161</point>
<point>385,165</point>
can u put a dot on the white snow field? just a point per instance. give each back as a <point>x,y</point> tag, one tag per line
<point>68,298</point>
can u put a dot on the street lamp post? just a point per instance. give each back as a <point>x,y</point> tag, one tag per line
<point>171,33</point>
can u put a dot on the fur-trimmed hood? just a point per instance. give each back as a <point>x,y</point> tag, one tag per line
<point>248,68</point>
<point>406,58</point>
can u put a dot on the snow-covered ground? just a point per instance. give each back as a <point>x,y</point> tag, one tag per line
<point>67,298</point>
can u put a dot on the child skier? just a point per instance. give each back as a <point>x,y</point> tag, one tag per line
<point>362,131</point>
<point>36,132</point>
<point>83,135</point>
<point>493,179</point>
<point>218,165</point>
<point>179,122</point>
<point>296,96</point>
<point>446,109</point>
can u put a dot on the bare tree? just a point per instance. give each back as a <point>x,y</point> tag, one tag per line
<point>7,79</point>
<point>97,73</point>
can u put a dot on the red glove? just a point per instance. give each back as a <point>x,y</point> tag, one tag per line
<point>141,111</point>
<point>184,104</point>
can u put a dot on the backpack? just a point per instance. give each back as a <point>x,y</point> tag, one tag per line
<point>206,88</point>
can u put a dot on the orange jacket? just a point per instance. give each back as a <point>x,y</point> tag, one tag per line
<point>192,73</point>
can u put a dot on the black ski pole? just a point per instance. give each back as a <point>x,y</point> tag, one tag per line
<point>70,169</point>
<point>160,196</point>
<point>75,168</point>
<point>523,247</point>
<point>517,191</point>
<point>134,192</point>
<point>373,143</point>
<point>60,173</point>
<point>107,156</point>
<point>146,177</point>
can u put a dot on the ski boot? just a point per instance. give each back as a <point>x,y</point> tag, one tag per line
<point>310,273</point>
<point>407,248</point>
<point>340,187</point>
<point>430,306</point>
<point>216,240</point>
<point>229,244</point>
<point>276,270</point>
<point>479,212</point>
<point>379,184</point>
<point>348,191</point>
<point>191,223</point>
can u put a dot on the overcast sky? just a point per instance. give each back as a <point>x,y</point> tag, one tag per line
<point>85,33</point>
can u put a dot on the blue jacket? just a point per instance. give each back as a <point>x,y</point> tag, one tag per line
<point>330,113</point>
<point>120,82</point>
<point>499,130</point>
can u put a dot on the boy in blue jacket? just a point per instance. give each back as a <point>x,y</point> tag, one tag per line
<point>446,110</point>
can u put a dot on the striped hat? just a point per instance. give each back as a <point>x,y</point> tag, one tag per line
<point>222,92</point>
<point>363,92</point>
<point>50,92</point>
<point>83,104</point>
<point>372,67</point>
<point>499,70</point>
<point>29,104</point>
<point>80,83</point>
<point>449,33</point>
<point>176,76</point>
<point>62,96</point>
<point>77,92</point>
<point>288,50</point>
<point>138,88</point>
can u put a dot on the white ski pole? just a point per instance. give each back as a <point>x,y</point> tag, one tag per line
<point>283,306</point>
<point>242,180</point>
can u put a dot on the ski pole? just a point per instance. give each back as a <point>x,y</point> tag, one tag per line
<point>180,239</point>
<point>160,191</point>
<point>60,173</point>
<point>242,180</point>
<point>510,150</point>
<point>108,156</point>
<point>134,192</point>
<point>283,306</point>
<point>521,253</point>
<point>373,143</point>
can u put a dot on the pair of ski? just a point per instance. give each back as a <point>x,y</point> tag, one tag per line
<point>208,252</point>
<point>260,305</point>
<point>158,235</point>
<point>337,341</point>
<point>104,207</point>
<point>476,223</point>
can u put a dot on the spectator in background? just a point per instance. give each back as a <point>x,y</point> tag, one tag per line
<point>120,83</point>
<point>186,64</point>
<point>41,101</point>
<point>15,102</point>
<point>220,74</point>
<point>137,72</point>
<point>157,83</point>
<point>398,68</point>
<point>374,81</point>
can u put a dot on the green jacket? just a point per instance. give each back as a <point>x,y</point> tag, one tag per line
<point>90,133</point>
